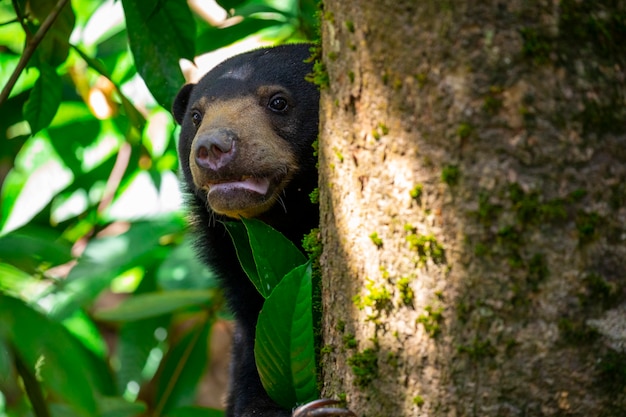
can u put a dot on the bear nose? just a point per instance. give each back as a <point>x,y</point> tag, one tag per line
<point>215,148</point>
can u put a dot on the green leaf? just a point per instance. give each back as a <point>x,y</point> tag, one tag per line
<point>283,348</point>
<point>44,99</point>
<point>118,407</point>
<point>213,38</point>
<point>14,281</point>
<point>230,4</point>
<point>182,369</point>
<point>106,258</point>
<point>160,33</point>
<point>27,78</point>
<point>271,253</point>
<point>257,7</point>
<point>183,270</point>
<point>54,47</point>
<point>195,412</point>
<point>135,344</point>
<point>38,175</point>
<point>148,305</point>
<point>30,247</point>
<point>240,239</point>
<point>82,327</point>
<point>274,254</point>
<point>61,364</point>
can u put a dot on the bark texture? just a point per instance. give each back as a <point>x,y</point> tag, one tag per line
<point>473,198</point>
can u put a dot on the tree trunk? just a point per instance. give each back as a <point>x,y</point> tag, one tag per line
<point>473,198</point>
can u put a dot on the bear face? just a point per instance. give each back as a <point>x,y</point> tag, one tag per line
<point>247,129</point>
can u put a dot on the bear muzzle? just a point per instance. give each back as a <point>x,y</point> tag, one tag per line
<point>215,148</point>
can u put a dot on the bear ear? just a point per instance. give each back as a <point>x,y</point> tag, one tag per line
<point>180,103</point>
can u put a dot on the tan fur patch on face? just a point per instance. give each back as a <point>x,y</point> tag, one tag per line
<point>260,153</point>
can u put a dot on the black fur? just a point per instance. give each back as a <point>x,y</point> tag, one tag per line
<point>282,66</point>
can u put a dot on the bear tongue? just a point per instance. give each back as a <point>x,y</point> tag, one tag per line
<point>258,185</point>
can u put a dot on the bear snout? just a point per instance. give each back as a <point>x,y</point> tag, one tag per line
<point>215,148</point>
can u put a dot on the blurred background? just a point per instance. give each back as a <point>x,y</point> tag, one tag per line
<point>103,308</point>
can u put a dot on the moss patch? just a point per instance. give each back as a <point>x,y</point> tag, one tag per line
<point>451,175</point>
<point>426,246</point>
<point>431,319</point>
<point>364,365</point>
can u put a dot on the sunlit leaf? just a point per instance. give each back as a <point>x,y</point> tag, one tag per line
<point>51,353</point>
<point>13,281</point>
<point>105,258</point>
<point>82,327</point>
<point>30,247</point>
<point>27,78</point>
<point>182,369</point>
<point>213,37</point>
<point>44,98</point>
<point>283,350</point>
<point>141,198</point>
<point>160,33</point>
<point>253,7</point>
<point>37,177</point>
<point>148,305</point>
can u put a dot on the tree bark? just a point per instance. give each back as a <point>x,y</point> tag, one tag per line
<point>473,199</point>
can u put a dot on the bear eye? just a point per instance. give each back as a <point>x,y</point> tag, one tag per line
<point>196,117</point>
<point>278,104</point>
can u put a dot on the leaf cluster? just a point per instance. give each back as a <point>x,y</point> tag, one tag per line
<point>284,345</point>
<point>104,309</point>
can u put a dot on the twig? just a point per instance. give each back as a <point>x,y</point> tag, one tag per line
<point>22,19</point>
<point>31,45</point>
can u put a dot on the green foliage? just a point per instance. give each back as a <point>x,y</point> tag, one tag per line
<point>90,206</point>
<point>284,350</point>
<point>257,246</point>
<point>284,345</point>
<point>160,34</point>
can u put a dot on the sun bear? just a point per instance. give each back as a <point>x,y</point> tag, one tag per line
<point>247,129</point>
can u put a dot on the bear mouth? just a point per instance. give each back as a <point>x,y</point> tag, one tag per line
<point>254,184</point>
<point>246,196</point>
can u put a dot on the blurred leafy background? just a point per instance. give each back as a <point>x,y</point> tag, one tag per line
<point>103,309</point>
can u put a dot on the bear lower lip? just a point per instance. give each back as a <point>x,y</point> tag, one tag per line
<point>257,185</point>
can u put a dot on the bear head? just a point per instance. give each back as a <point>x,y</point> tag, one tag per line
<point>247,129</point>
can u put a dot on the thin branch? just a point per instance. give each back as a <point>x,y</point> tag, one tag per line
<point>22,19</point>
<point>30,49</point>
<point>10,22</point>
